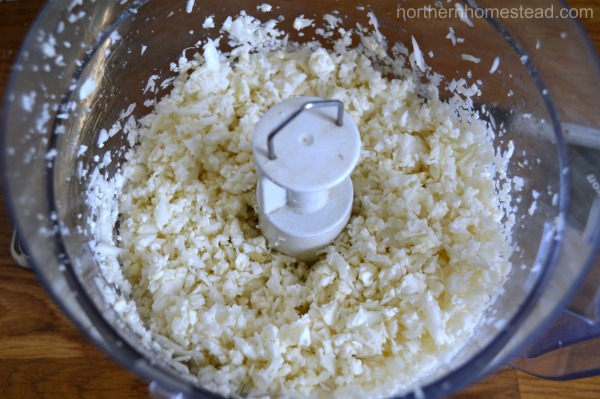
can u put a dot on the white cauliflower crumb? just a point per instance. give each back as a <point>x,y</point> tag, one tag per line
<point>301,22</point>
<point>208,23</point>
<point>102,137</point>
<point>452,36</point>
<point>463,15</point>
<point>532,208</point>
<point>50,155</point>
<point>82,150</point>
<point>332,22</point>
<point>418,55</point>
<point>151,84</point>
<point>87,88</point>
<point>470,58</point>
<point>28,101</point>
<point>495,65</point>
<point>189,7</point>
<point>115,37</point>
<point>264,7</point>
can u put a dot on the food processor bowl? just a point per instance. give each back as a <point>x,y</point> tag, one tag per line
<point>84,64</point>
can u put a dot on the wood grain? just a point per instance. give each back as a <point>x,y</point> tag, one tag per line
<point>43,356</point>
<point>534,388</point>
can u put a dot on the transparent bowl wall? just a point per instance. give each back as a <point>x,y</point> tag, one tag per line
<point>554,245</point>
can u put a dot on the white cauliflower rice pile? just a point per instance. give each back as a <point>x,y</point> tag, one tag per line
<point>399,291</point>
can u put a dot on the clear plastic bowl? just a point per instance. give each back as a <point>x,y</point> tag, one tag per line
<point>551,115</point>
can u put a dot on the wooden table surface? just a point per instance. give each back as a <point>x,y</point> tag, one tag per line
<point>43,356</point>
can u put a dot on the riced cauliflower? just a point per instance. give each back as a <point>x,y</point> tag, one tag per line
<point>396,294</point>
